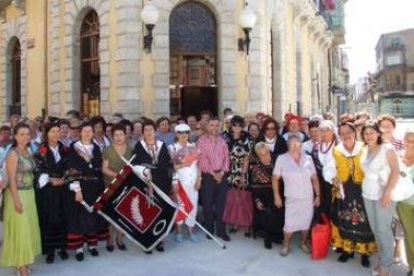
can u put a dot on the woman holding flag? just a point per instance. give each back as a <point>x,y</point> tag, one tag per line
<point>186,180</point>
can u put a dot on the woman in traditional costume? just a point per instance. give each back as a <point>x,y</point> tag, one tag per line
<point>150,151</point>
<point>83,172</point>
<point>51,193</point>
<point>350,227</point>
<point>21,242</point>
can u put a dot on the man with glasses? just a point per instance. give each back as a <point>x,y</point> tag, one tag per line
<point>214,164</point>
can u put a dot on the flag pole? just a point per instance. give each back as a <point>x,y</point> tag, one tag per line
<point>173,204</point>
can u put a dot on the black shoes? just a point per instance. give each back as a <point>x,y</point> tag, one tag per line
<point>63,255</point>
<point>267,244</point>
<point>110,248</point>
<point>160,247</point>
<point>50,258</point>
<point>345,257</point>
<point>365,260</point>
<point>224,237</point>
<point>93,252</point>
<point>122,247</point>
<point>79,256</point>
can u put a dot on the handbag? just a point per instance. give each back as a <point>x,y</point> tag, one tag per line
<point>404,188</point>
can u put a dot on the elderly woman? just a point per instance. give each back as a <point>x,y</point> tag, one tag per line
<point>322,157</point>
<point>350,228</point>
<point>406,208</point>
<point>380,165</point>
<point>301,192</point>
<point>267,217</point>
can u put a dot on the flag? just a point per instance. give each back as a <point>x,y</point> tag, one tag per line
<point>184,201</point>
<point>145,217</point>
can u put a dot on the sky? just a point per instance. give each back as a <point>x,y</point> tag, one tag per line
<point>365,21</point>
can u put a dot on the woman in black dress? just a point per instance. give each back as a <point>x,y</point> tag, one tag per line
<point>50,193</point>
<point>155,153</point>
<point>277,146</point>
<point>84,173</point>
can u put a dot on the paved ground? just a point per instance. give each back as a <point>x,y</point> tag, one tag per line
<point>242,257</point>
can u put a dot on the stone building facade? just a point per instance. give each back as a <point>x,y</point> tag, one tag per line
<point>58,55</point>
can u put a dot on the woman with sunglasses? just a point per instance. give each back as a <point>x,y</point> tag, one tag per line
<point>239,207</point>
<point>188,174</point>
<point>350,228</point>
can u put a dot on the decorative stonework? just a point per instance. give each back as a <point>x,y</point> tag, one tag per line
<point>75,10</point>
<point>227,53</point>
<point>14,29</point>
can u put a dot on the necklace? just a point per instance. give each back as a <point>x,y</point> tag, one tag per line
<point>327,150</point>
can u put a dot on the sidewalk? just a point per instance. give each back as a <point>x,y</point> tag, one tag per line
<point>242,257</point>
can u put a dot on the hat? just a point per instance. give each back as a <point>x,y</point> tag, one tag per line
<point>327,124</point>
<point>182,128</point>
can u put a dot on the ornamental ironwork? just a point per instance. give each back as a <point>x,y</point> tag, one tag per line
<point>192,29</point>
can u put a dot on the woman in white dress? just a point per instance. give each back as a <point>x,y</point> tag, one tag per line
<point>380,165</point>
<point>188,174</point>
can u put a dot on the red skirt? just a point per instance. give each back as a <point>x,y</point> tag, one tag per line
<point>238,210</point>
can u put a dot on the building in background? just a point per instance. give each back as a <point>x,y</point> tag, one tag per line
<point>89,55</point>
<point>395,73</point>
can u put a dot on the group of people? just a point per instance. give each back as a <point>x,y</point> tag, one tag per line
<point>251,174</point>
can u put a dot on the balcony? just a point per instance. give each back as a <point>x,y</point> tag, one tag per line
<point>392,88</point>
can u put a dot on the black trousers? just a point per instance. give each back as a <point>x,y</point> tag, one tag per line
<point>213,196</point>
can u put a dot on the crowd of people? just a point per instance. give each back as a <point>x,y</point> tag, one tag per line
<point>251,174</point>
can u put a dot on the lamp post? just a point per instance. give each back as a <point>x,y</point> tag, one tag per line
<point>247,20</point>
<point>149,15</point>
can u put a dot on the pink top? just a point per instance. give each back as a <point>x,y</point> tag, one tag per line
<point>296,178</point>
<point>214,154</point>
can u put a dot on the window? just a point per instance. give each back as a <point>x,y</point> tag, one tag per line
<point>396,107</point>
<point>16,58</point>
<point>396,41</point>
<point>393,59</point>
<point>90,71</point>
<point>398,80</point>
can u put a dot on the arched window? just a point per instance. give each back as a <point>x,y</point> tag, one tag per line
<point>16,58</point>
<point>193,59</point>
<point>90,72</point>
<point>396,107</point>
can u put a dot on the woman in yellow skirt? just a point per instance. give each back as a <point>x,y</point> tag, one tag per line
<point>350,227</point>
<point>21,229</point>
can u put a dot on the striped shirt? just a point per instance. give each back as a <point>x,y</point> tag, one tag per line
<point>214,154</point>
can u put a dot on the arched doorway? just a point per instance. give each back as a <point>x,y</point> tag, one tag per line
<point>89,63</point>
<point>15,106</point>
<point>193,60</point>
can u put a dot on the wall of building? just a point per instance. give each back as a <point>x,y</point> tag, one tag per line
<point>137,83</point>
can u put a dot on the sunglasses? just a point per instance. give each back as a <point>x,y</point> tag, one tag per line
<point>270,128</point>
<point>183,132</point>
<point>236,125</point>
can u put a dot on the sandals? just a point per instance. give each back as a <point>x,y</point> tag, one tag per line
<point>284,252</point>
<point>304,248</point>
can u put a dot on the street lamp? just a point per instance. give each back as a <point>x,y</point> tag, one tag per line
<point>247,20</point>
<point>149,15</point>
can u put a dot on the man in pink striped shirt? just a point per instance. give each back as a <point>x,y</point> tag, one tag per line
<point>214,162</point>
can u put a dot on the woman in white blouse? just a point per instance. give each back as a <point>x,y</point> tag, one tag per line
<point>380,165</point>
